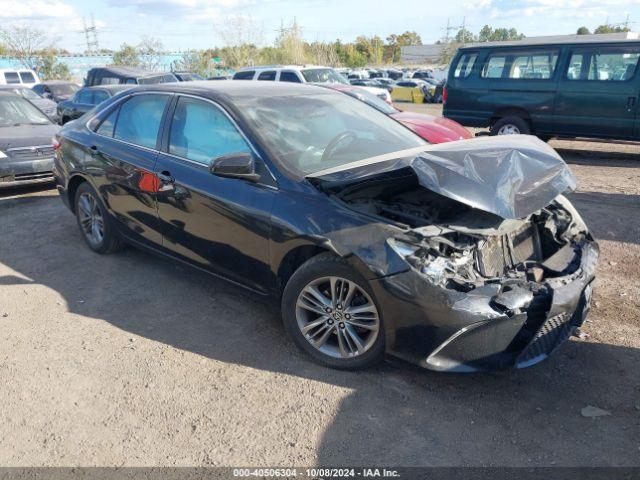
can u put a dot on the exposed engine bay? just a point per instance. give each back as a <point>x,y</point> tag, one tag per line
<point>461,247</point>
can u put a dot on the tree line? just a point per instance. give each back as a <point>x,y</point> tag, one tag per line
<point>241,45</point>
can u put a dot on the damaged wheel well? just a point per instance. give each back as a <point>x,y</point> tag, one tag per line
<point>293,260</point>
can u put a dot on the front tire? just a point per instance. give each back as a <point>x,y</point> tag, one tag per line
<point>94,222</point>
<point>329,311</point>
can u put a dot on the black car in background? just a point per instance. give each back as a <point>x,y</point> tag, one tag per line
<point>26,152</point>
<point>462,256</point>
<point>126,75</point>
<point>85,99</point>
<point>56,90</point>
<point>48,107</point>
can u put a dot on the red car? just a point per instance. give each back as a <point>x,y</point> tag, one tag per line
<point>433,129</point>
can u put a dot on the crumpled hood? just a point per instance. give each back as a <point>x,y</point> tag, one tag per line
<point>510,176</point>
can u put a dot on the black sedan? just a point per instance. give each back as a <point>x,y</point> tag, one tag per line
<point>462,256</point>
<point>85,99</point>
<point>26,152</point>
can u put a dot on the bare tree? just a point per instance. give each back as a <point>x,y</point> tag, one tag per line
<point>150,51</point>
<point>26,43</point>
<point>241,37</point>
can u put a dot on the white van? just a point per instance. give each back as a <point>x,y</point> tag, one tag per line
<point>10,76</point>
<point>301,74</point>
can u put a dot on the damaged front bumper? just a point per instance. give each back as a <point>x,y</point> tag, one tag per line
<point>495,326</point>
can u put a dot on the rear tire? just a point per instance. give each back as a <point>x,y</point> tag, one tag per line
<point>343,331</point>
<point>95,223</point>
<point>511,125</point>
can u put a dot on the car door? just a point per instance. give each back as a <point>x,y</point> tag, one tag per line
<point>598,93</point>
<point>219,224</point>
<point>124,150</point>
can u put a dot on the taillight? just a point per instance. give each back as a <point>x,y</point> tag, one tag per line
<point>444,95</point>
<point>55,143</point>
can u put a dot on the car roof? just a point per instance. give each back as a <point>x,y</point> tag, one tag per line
<point>624,38</point>
<point>13,86</point>
<point>234,89</point>
<point>130,71</point>
<point>58,82</point>
<point>118,87</point>
<point>281,67</point>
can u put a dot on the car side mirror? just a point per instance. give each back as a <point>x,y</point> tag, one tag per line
<point>235,165</point>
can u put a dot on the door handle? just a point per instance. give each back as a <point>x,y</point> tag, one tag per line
<point>631,102</point>
<point>166,181</point>
<point>94,150</point>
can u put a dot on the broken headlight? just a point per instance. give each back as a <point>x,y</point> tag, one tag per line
<point>436,262</point>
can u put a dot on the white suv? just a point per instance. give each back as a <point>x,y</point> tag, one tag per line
<point>26,78</point>
<point>301,74</point>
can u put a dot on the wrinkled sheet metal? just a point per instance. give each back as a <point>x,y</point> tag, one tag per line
<point>511,176</point>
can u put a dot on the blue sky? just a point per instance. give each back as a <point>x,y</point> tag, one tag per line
<point>184,24</point>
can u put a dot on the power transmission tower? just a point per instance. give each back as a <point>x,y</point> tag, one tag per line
<point>91,36</point>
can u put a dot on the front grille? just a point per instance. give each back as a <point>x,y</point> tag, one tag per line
<point>553,331</point>
<point>502,252</point>
<point>28,154</point>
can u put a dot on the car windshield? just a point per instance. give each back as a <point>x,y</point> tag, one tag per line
<point>323,75</point>
<point>321,130</point>
<point>64,89</point>
<point>15,110</point>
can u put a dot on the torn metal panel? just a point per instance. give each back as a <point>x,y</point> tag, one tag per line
<point>510,176</point>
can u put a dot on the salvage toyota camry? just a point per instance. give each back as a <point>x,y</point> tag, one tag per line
<point>462,256</point>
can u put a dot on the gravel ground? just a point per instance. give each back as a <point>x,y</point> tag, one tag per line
<point>130,359</point>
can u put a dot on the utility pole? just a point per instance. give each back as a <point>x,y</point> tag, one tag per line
<point>91,36</point>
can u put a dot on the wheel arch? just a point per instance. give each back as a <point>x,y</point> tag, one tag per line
<point>510,112</point>
<point>72,187</point>
<point>296,256</point>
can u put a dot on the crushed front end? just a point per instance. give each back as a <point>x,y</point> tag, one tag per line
<point>486,298</point>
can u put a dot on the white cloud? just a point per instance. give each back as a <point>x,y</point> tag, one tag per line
<point>35,9</point>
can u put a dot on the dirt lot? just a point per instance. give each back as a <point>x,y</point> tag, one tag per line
<point>130,359</point>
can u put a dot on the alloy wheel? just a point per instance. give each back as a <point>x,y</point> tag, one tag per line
<point>337,317</point>
<point>91,219</point>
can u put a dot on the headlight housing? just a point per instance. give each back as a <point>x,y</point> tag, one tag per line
<point>434,264</point>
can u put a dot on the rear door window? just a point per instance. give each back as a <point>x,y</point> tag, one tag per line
<point>605,65</point>
<point>494,66</point>
<point>200,132</point>
<point>11,77</point>
<point>533,65</point>
<point>139,119</point>
<point>246,75</point>
<point>288,76</point>
<point>270,75</point>
<point>27,77</point>
<point>465,65</point>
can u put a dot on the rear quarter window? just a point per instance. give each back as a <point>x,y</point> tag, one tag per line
<point>245,75</point>
<point>465,65</point>
<point>27,77</point>
<point>288,76</point>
